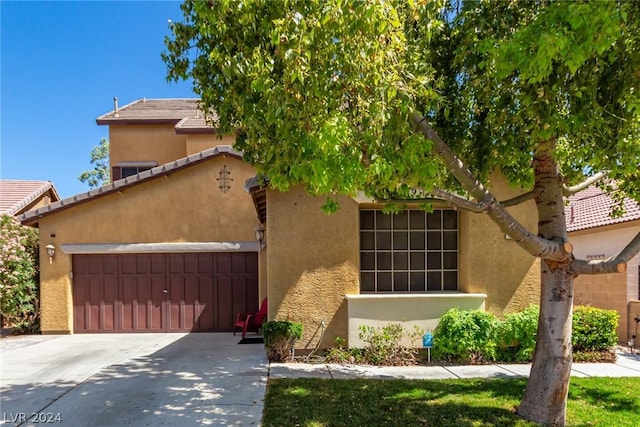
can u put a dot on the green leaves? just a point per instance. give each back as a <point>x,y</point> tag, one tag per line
<point>322,91</point>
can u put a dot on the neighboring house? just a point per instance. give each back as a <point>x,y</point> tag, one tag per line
<point>596,235</point>
<point>20,196</point>
<point>171,245</point>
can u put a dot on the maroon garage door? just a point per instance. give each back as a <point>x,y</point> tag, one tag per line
<point>182,292</point>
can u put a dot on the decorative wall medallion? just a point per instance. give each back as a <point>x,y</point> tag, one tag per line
<point>225,180</point>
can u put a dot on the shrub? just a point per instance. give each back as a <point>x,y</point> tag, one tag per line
<point>516,335</point>
<point>465,336</point>
<point>19,275</point>
<point>279,338</point>
<point>384,345</point>
<point>594,329</point>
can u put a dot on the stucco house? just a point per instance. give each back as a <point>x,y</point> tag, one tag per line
<point>170,245</point>
<point>595,234</point>
<point>20,196</point>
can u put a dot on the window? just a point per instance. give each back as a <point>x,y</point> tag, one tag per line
<point>413,251</point>
<point>124,169</point>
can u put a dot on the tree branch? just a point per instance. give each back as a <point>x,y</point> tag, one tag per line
<point>536,246</point>
<point>461,202</point>
<point>519,199</point>
<point>614,264</point>
<point>568,191</point>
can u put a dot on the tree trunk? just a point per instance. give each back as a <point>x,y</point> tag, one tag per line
<point>545,398</point>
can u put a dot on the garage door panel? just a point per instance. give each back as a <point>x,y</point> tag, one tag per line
<point>224,312</point>
<point>204,313</point>
<point>163,292</point>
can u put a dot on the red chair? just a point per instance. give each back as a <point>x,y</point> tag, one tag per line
<point>251,322</point>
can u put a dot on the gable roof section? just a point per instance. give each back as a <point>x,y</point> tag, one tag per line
<point>591,208</point>
<point>16,195</point>
<point>159,111</point>
<point>31,218</point>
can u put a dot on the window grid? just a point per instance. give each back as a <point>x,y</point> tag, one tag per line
<point>413,251</point>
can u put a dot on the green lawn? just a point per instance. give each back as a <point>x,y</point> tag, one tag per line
<point>460,403</point>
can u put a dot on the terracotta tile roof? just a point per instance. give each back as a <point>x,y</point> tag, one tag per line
<point>591,208</point>
<point>167,110</point>
<point>194,125</point>
<point>33,217</point>
<point>16,195</point>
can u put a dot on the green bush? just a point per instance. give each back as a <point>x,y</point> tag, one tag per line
<point>516,335</point>
<point>465,336</point>
<point>19,264</point>
<point>594,329</point>
<point>279,338</point>
<point>384,345</point>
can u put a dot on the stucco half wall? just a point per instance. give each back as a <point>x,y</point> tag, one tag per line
<point>421,311</point>
<point>185,206</point>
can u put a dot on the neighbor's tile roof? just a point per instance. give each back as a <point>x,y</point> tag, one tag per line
<point>591,208</point>
<point>32,217</point>
<point>15,195</point>
<point>167,110</point>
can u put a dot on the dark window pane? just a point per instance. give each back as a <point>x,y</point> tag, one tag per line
<point>383,221</point>
<point>434,281</point>
<point>450,240</point>
<point>401,221</point>
<point>384,282</point>
<point>450,280</point>
<point>367,220</point>
<point>401,281</point>
<point>434,240</point>
<point>384,260</point>
<point>417,240</point>
<point>417,220</point>
<point>434,261</point>
<point>367,240</point>
<point>417,282</point>
<point>434,220</point>
<point>367,261</point>
<point>417,261</point>
<point>450,261</point>
<point>367,282</point>
<point>450,220</point>
<point>129,171</point>
<point>400,261</point>
<point>144,168</point>
<point>400,240</point>
<point>383,240</point>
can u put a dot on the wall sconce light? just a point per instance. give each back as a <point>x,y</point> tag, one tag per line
<point>260,236</point>
<point>51,251</point>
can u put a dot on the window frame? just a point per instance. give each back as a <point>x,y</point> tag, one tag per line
<point>397,255</point>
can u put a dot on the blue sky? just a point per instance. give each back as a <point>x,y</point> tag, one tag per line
<point>61,65</point>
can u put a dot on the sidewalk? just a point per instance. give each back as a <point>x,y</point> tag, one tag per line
<point>626,365</point>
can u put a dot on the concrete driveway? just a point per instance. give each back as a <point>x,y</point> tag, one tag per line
<point>131,379</point>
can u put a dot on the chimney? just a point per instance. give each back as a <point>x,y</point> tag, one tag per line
<point>115,107</point>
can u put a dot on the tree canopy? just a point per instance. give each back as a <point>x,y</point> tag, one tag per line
<point>417,99</point>
<point>100,174</point>
<point>322,92</point>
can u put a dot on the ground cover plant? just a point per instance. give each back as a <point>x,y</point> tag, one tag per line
<point>460,403</point>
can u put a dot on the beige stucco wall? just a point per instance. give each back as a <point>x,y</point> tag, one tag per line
<point>44,200</point>
<point>200,142</point>
<point>608,291</point>
<point>312,263</point>
<point>186,206</point>
<point>145,143</point>
<point>494,265</point>
<point>421,311</point>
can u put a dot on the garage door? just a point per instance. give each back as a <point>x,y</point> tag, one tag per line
<point>181,292</point>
